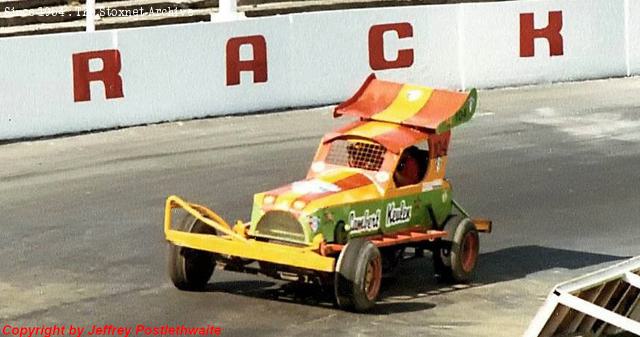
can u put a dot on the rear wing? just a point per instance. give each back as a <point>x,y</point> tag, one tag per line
<point>432,110</point>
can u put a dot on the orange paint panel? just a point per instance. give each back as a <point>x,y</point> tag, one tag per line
<point>348,183</point>
<point>396,140</point>
<point>439,144</point>
<point>361,193</point>
<point>373,97</point>
<point>433,173</point>
<point>403,191</point>
<point>354,181</point>
<point>408,105</point>
<point>348,127</point>
<point>441,106</point>
<point>279,191</point>
<point>373,129</point>
<point>392,136</point>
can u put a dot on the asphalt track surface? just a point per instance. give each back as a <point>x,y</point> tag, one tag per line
<point>557,168</point>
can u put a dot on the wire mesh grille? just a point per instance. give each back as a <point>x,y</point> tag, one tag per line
<point>282,225</point>
<point>367,156</point>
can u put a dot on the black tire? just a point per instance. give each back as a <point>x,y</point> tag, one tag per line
<point>340,235</point>
<point>191,269</point>
<point>464,251</point>
<point>442,251</point>
<point>455,258</point>
<point>391,257</point>
<point>358,275</point>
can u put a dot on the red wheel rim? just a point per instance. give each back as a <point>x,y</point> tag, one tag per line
<point>469,251</point>
<point>372,278</point>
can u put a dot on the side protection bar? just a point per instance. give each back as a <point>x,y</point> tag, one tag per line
<point>233,241</point>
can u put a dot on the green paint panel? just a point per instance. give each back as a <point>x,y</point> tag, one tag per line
<point>387,215</point>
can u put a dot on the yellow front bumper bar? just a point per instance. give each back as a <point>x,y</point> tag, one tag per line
<point>234,242</point>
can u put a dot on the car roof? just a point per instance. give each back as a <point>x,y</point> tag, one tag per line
<point>428,109</point>
<point>393,137</point>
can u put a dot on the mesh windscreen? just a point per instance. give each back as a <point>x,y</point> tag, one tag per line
<point>367,156</point>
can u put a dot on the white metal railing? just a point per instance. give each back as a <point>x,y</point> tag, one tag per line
<point>227,7</point>
<point>227,11</point>
<point>91,15</point>
<point>601,303</point>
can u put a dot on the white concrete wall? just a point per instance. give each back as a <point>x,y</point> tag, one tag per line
<point>593,34</point>
<point>178,72</point>
<point>633,36</point>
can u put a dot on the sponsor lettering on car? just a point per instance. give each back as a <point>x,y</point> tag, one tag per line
<point>364,223</point>
<point>398,215</point>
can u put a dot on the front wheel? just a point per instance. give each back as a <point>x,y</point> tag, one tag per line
<point>358,275</point>
<point>191,269</point>
<point>456,257</point>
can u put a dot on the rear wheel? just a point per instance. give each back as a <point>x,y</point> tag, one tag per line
<point>456,257</point>
<point>191,269</point>
<point>391,257</point>
<point>358,275</point>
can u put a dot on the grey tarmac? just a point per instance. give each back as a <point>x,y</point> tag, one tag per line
<point>81,242</point>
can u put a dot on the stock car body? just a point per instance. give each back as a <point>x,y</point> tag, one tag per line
<point>376,186</point>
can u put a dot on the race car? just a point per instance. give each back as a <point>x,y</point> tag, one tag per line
<point>376,186</point>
